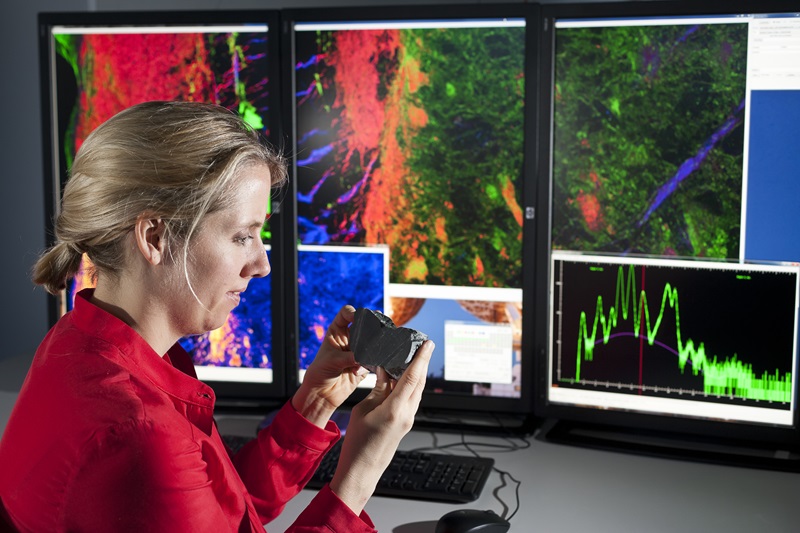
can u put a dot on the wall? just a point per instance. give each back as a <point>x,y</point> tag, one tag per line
<point>24,314</point>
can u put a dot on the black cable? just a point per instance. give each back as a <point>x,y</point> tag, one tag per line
<point>503,475</point>
<point>498,489</point>
<point>518,484</point>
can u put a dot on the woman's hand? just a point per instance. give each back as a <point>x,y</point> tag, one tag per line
<point>333,375</point>
<point>377,425</point>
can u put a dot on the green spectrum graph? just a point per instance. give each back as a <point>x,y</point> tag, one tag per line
<point>723,374</point>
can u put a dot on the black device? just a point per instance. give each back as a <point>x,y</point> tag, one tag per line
<point>667,298</point>
<point>472,521</point>
<point>413,137</point>
<point>377,342</point>
<point>93,65</point>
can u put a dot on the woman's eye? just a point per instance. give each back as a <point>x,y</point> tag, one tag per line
<point>243,240</point>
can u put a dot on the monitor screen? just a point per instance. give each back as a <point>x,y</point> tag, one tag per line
<point>410,134</point>
<point>97,64</point>
<point>671,237</point>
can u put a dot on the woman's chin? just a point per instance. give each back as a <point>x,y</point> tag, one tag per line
<point>212,323</point>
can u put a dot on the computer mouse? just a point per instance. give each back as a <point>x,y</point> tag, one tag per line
<point>472,521</point>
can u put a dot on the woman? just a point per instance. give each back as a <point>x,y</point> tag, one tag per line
<point>111,430</point>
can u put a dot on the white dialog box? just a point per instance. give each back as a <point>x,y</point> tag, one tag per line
<point>478,353</point>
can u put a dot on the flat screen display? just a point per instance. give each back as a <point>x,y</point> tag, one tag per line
<point>672,237</point>
<point>410,135</point>
<point>106,63</point>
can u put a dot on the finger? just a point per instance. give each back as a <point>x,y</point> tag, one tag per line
<point>333,360</point>
<point>338,331</point>
<point>357,371</point>
<point>345,361</point>
<point>379,392</point>
<point>383,378</point>
<point>344,317</point>
<point>413,379</point>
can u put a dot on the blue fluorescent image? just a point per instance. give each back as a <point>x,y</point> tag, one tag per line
<point>329,279</point>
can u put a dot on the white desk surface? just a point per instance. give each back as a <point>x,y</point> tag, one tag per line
<point>571,489</point>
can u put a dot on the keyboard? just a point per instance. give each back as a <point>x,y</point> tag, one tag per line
<point>421,475</point>
<point>412,475</point>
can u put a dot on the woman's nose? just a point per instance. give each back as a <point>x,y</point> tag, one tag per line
<point>260,266</point>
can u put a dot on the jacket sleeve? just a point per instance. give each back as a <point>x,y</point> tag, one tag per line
<point>139,477</point>
<point>328,513</point>
<point>279,463</point>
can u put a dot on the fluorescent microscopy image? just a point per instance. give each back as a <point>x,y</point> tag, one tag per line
<point>414,138</point>
<point>648,139</point>
<point>100,74</point>
<point>114,71</point>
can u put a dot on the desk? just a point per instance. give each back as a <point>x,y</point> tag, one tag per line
<point>570,489</point>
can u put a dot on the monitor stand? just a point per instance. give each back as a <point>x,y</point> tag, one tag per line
<point>670,445</point>
<point>501,424</point>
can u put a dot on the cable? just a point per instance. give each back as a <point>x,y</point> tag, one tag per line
<point>503,475</point>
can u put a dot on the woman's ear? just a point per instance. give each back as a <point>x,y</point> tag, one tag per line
<point>149,234</point>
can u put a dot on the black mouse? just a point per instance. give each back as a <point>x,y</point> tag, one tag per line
<point>472,521</point>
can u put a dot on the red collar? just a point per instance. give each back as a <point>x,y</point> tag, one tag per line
<point>173,373</point>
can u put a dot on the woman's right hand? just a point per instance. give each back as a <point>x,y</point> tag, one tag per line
<point>377,425</point>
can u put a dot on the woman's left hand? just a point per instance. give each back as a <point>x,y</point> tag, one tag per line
<point>333,375</point>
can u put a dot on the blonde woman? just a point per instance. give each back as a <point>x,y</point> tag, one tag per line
<point>111,430</point>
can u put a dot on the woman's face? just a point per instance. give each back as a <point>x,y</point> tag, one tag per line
<point>225,254</point>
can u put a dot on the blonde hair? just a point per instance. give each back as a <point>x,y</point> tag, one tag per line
<point>169,160</point>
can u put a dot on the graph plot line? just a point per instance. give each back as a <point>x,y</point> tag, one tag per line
<point>729,376</point>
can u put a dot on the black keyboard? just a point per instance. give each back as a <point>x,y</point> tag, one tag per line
<point>421,475</point>
<point>413,475</point>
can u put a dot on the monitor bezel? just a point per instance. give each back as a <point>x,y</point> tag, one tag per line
<point>626,422</point>
<point>237,395</point>
<point>438,407</point>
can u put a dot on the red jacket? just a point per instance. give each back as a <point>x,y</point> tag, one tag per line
<point>106,435</point>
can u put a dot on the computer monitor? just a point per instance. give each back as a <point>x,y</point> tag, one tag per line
<point>412,132</point>
<point>94,65</point>
<point>668,238</point>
